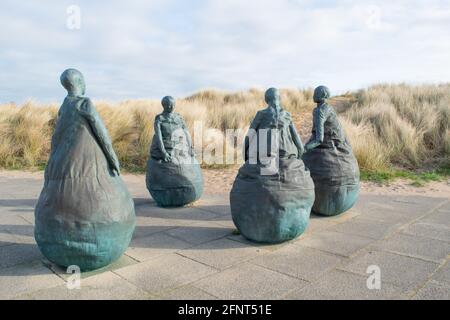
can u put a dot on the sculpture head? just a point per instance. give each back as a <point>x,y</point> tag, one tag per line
<point>321,94</point>
<point>73,81</point>
<point>168,104</point>
<point>272,97</point>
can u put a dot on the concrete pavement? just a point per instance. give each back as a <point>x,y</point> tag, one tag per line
<point>194,253</point>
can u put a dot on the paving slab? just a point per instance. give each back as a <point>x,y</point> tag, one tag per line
<point>439,217</point>
<point>336,242</point>
<point>443,274</point>
<point>146,226</point>
<point>7,239</point>
<point>104,286</point>
<point>364,227</point>
<point>434,290</point>
<point>194,252</point>
<point>445,207</point>
<point>339,285</point>
<point>222,253</point>
<point>429,230</point>
<point>249,282</point>
<point>401,271</point>
<point>317,224</point>
<point>167,273</point>
<point>397,209</point>
<point>16,229</point>
<point>122,262</point>
<point>146,248</point>
<point>235,236</point>
<point>189,214</point>
<point>25,278</point>
<point>200,232</point>
<point>415,246</point>
<point>187,292</point>
<point>15,254</point>
<point>299,262</point>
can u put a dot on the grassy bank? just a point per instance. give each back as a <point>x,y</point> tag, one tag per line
<point>418,179</point>
<point>397,131</point>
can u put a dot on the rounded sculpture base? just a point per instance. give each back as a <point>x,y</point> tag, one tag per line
<point>178,197</point>
<point>334,200</point>
<point>271,209</point>
<point>89,246</point>
<point>174,184</point>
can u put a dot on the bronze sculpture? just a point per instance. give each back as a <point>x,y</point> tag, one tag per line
<point>85,214</point>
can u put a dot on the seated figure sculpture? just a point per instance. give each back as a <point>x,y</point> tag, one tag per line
<point>273,193</point>
<point>85,214</point>
<point>174,177</point>
<point>330,159</point>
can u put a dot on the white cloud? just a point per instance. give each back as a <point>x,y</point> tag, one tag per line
<point>152,48</point>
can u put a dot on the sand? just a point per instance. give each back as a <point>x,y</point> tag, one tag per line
<point>221,181</point>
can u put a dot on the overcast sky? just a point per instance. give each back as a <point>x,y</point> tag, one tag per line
<point>151,48</point>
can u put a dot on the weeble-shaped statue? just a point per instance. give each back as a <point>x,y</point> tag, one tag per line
<point>174,177</point>
<point>272,195</point>
<point>85,214</point>
<point>330,159</point>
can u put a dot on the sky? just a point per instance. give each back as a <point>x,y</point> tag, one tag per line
<point>152,48</point>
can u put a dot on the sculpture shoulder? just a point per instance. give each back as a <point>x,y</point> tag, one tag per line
<point>260,115</point>
<point>286,115</point>
<point>85,106</point>
<point>159,118</point>
<point>269,113</point>
<point>323,111</point>
<point>263,112</point>
<point>178,117</point>
<point>175,118</point>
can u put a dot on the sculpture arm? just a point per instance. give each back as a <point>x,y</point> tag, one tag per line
<point>319,118</point>
<point>159,140</point>
<point>88,111</point>
<point>297,140</point>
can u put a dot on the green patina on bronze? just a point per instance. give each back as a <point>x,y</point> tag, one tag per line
<point>85,214</point>
<point>268,205</point>
<point>330,159</point>
<point>174,177</point>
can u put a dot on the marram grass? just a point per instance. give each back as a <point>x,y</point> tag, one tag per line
<point>389,126</point>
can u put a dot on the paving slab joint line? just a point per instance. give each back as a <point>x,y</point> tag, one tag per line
<point>304,279</point>
<point>286,274</point>
<point>195,244</point>
<point>137,261</point>
<point>160,294</point>
<point>406,225</point>
<point>247,260</point>
<point>206,265</point>
<point>416,290</point>
<point>413,256</point>
<point>149,295</point>
<point>341,255</point>
<point>28,222</point>
<point>210,211</point>
<point>409,295</point>
<point>429,212</point>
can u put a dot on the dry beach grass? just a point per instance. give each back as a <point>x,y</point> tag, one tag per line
<point>388,125</point>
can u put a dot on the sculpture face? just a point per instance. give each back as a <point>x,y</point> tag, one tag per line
<point>272,97</point>
<point>321,94</point>
<point>73,81</point>
<point>168,104</point>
